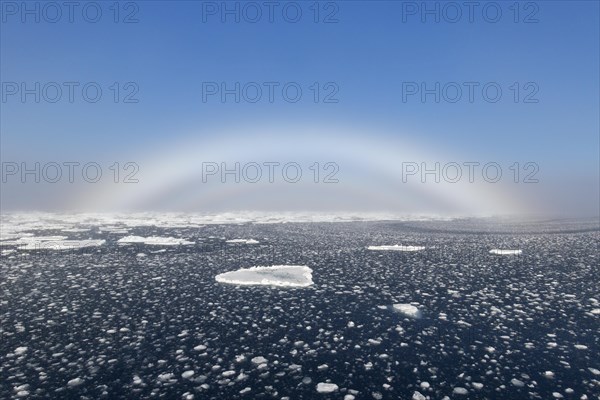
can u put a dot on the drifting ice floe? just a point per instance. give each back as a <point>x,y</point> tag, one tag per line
<point>61,244</point>
<point>407,309</point>
<point>277,275</point>
<point>505,252</point>
<point>243,241</point>
<point>323,387</point>
<point>30,239</point>
<point>396,248</point>
<point>154,240</point>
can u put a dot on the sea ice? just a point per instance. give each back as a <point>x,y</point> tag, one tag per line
<point>154,240</point>
<point>517,382</point>
<point>418,396</point>
<point>61,244</point>
<point>277,275</point>
<point>505,252</point>
<point>75,382</point>
<point>259,360</point>
<point>407,309</point>
<point>396,248</point>
<point>243,241</point>
<point>460,390</point>
<point>323,387</point>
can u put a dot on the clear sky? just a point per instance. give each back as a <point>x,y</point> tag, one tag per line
<point>366,56</point>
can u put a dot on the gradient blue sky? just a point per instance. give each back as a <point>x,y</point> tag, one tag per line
<point>368,54</point>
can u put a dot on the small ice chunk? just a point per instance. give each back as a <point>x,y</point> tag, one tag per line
<point>323,387</point>
<point>20,350</point>
<point>239,358</point>
<point>418,396</point>
<point>187,374</point>
<point>259,360</point>
<point>396,247</point>
<point>407,309</point>
<point>460,390</point>
<point>165,377</point>
<point>504,252</point>
<point>594,371</point>
<point>517,382</point>
<point>243,241</point>
<point>75,382</point>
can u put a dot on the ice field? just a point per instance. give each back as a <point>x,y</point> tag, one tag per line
<point>189,307</point>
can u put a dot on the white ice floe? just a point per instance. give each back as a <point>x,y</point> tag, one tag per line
<point>61,244</point>
<point>277,275</point>
<point>30,240</point>
<point>187,374</point>
<point>75,382</point>
<point>407,309</point>
<point>460,390</point>
<point>516,382</point>
<point>396,247</point>
<point>418,396</point>
<point>243,241</point>
<point>20,350</point>
<point>259,360</point>
<point>501,252</point>
<point>323,387</point>
<point>154,240</point>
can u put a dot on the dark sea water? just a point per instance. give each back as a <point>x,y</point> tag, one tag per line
<point>109,322</point>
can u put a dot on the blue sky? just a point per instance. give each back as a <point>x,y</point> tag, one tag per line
<point>367,55</point>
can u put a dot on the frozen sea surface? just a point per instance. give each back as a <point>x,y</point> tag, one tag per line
<point>138,321</point>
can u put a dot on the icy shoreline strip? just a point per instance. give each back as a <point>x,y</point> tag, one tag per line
<point>276,275</point>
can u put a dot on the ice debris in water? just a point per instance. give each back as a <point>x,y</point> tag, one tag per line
<point>407,309</point>
<point>61,244</point>
<point>501,252</point>
<point>396,248</point>
<point>323,387</point>
<point>277,275</point>
<point>154,240</point>
<point>243,241</point>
